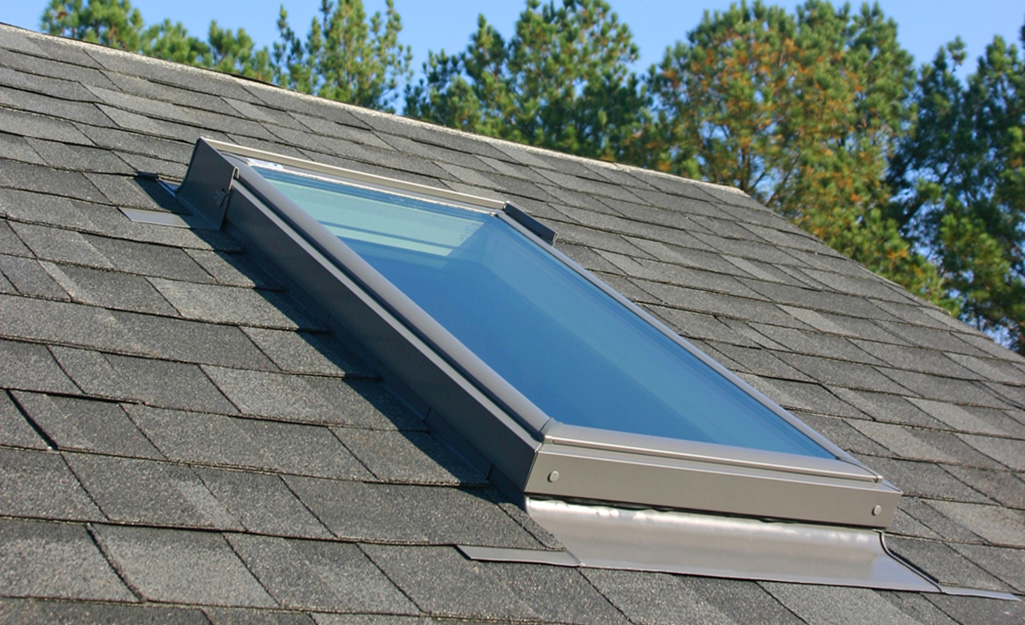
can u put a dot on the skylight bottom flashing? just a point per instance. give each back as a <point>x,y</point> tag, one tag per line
<point>597,536</point>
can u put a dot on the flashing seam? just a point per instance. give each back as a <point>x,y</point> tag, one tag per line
<point>521,556</point>
<point>156,218</point>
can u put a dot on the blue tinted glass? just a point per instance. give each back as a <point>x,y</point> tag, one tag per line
<point>576,353</point>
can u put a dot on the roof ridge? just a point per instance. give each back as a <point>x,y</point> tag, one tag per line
<point>373,112</point>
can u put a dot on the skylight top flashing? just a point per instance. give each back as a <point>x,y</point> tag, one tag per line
<point>537,454</point>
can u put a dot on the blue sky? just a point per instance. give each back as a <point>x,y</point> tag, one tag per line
<point>436,24</point>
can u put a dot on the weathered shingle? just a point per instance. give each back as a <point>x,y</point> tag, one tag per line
<point>155,382</point>
<point>15,430</point>
<point>176,566</point>
<point>431,514</point>
<point>262,503</point>
<point>35,611</point>
<point>86,425</point>
<point>441,582</point>
<point>40,485</point>
<point>53,560</point>
<point>247,443</point>
<point>655,598</point>
<point>319,575</point>
<point>29,367</point>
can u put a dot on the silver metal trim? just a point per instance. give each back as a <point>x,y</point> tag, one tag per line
<point>627,442</point>
<point>977,592</point>
<point>380,182</point>
<point>526,556</point>
<point>156,218</point>
<point>729,547</point>
<point>646,480</point>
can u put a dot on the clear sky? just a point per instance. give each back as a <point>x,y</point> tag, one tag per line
<point>435,24</point>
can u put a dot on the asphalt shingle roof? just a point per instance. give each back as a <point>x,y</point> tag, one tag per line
<point>181,442</point>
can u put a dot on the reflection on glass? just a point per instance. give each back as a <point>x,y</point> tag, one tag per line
<point>576,353</point>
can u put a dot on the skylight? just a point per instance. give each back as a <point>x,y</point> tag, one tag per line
<point>565,388</point>
<point>575,352</point>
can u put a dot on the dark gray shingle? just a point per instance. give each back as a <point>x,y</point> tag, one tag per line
<point>39,485</point>
<point>34,611</point>
<point>15,430</point>
<point>262,503</point>
<point>29,367</point>
<point>836,606</point>
<point>54,560</point>
<point>86,425</point>
<point>29,278</point>
<point>145,492</point>
<point>155,382</point>
<point>647,598</point>
<point>177,566</point>
<point>110,289</point>
<point>945,564</point>
<point>249,443</point>
<point>319,575</point>
<point>407,457</point>
<point>436,515</point>
<point>443,583</point>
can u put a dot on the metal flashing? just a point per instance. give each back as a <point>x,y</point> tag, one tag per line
<point>537,228</point>
<point>781,492</point>
<point>527,556</point>
<point>156,218</point>
<point>207,183</point>
<point>370,180</point>
<point>721,546</point>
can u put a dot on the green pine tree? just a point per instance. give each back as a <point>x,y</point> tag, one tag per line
<point>117,24</point>
<point>562,82</point>
<point>960,177</point>
<point>112,23</point>
<point>802,112</point>
<point>345,57</point>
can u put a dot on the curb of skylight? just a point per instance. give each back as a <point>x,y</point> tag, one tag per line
<point>580,436</point>
<point>522,442</point>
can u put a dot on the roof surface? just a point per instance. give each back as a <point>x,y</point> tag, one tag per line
<point>181,443</point>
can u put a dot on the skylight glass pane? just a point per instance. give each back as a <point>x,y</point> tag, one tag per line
<point>576,353</point>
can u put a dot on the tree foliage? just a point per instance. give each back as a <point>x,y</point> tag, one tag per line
<point>961,183</point>
<point>344,57</point>
<point>562,81</point>
<point>112,23</point>
<point>802,112</point>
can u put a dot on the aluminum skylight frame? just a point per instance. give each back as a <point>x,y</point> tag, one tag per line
<point>448,383</point>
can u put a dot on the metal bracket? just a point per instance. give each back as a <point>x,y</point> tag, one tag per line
<point>207,184</point>
<point>537,228</point>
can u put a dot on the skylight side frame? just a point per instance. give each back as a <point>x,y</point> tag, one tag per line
<point>538,456</point>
